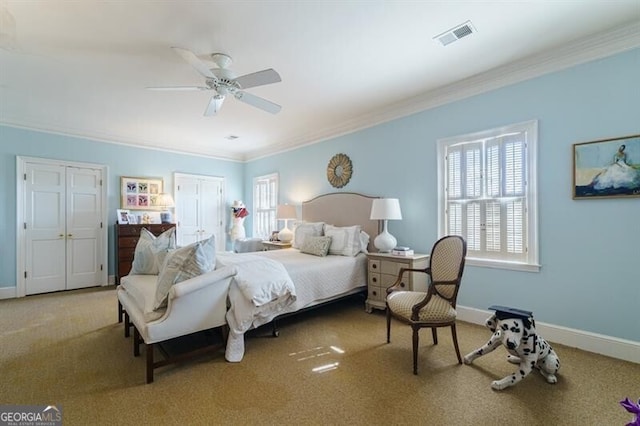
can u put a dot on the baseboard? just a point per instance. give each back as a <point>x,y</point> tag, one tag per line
<point>614,347</point>
<point>7,292</point>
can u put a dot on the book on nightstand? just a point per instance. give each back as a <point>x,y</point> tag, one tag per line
<point>402,251</point>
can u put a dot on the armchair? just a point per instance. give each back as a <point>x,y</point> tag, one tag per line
<point>437,307</point>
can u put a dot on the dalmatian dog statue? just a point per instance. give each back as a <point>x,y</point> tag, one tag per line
<point>515,329</point>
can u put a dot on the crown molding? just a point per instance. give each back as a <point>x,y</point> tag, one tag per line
<point>571,54</point>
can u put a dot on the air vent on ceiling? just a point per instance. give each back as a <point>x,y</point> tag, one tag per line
<point>455,33</point>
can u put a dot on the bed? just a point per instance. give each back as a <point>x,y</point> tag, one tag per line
<point>271,284</point>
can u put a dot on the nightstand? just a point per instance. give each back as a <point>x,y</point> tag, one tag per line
<point>275,245</point>
<point>382,272</point>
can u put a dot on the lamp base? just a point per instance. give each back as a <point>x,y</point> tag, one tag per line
<point>166,217</point>
<point>385,242</point>
<point>285,235</point>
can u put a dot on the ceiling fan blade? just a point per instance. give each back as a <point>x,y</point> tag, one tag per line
<point>259,78</point>
<point>258,102</point>
<point>192,88</point>
<point>214,105</point>
<point>193,60</point>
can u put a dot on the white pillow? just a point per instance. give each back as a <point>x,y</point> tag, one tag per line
<point>364,242</point>
<point>345,241</point>
<point>305,230</point>
<point>145,257</point>
<point>182,264</point>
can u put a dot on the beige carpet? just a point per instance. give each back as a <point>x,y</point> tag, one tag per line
<point>67,349</point>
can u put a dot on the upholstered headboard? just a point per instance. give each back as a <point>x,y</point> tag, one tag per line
<point>342,209</point>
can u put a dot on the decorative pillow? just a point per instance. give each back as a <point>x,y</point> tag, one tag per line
<point>345,241</point>
<point>305,230</point>
<point>182,264</point>
<point>145,257</point>
<point>364,242</point>
<point>317,246</point>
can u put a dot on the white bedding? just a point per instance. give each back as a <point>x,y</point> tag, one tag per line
<point>315,280</point>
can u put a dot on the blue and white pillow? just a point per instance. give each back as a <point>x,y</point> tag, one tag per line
<point>149,249</point>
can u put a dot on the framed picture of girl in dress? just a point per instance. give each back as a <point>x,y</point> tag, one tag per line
<point>607,168</point>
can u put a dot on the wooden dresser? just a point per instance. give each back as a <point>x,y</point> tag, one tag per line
<point>126,239</point>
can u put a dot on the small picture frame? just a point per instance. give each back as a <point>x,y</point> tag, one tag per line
<point>123,216</point>
<point>132,219</point>
<point>274,236</point>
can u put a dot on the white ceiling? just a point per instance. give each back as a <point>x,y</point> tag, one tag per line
<point>81,67</point>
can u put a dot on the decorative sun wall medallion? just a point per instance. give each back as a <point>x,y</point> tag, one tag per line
<point>339,170</point>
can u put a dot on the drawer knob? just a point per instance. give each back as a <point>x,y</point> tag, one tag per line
<point>402,285</point>
<point>375,293</point>
<point>374,279</point>
<point>374,266</point>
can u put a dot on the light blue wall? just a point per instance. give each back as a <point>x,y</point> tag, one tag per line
<point>589,249</point>
<point>121,161</point>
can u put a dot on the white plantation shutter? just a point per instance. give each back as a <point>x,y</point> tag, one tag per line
<point>265,202</point>
<point>487,197</point>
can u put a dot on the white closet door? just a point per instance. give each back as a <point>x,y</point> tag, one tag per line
<point>45,228</point>
<point>210,202</point>
<point>84,210</point>
<point>199,209</point>
<point>187,200</point>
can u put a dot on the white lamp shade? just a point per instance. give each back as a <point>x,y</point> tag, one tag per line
<point>385,208</point>
<point>286,211</point>
<point>165,200</point>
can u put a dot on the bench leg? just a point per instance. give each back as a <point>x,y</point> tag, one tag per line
<point>149,349</point>
<point>136,342</point>
<point>120,312</point>
<point>127,324</point>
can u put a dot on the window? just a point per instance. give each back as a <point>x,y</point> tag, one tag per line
<point>487,194</point>
<point>265,202</point>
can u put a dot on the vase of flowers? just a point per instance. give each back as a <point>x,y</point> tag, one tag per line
<point>238,213</point>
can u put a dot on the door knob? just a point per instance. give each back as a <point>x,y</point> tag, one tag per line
<point>61,235</point>
<point>69,235</point>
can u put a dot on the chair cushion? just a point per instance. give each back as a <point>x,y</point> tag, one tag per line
<point>438,310</point>
<point>142,290</point>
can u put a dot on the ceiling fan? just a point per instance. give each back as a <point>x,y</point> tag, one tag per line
<point>224,82</point>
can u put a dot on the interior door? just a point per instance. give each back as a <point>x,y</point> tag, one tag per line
<point>211,200</point>
<point>83,224</point>
<point>187,200</point>
<point>44,225</point>
<point>199,209</point>
<point>63,227</point>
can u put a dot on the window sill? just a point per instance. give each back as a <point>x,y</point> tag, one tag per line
<point>500,264</point>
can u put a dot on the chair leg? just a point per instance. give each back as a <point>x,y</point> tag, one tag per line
<point>388,326</point>
<point>434,333</point>
<point>455,342</point>
<point>415,349</point>
<point>149,349</point>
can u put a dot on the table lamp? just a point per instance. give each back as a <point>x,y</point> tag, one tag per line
<point>385,209</point>
<point>286,212</point>
<point>165,201</point>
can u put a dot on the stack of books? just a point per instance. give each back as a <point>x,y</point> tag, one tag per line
<point>402,251</point>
